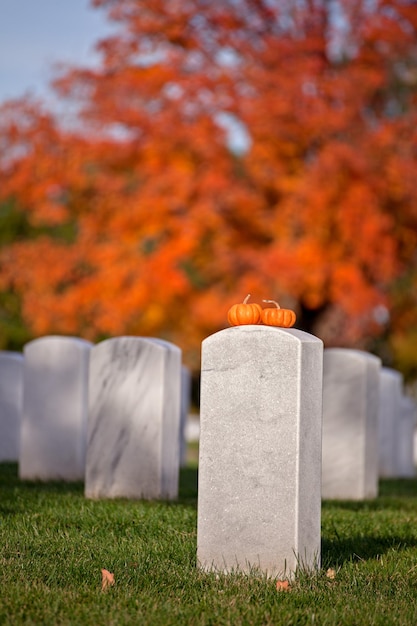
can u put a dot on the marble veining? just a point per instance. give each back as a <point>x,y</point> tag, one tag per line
<point>134,418</point>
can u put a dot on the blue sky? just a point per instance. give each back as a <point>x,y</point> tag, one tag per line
<point>36,33</point>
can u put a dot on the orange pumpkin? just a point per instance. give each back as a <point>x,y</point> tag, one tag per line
<point>278,317</point>
<point>244,313</point>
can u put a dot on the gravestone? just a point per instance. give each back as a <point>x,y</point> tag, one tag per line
<point>407,424</point>
<point>185,409</point>
<point>55,404</point>
<point>350,424</point>
<point>259,499</point>
<point>192,430</point>
<point>390,394</point>
<point>134,419</point>
<point>172,391</point>
<point>11,390</point>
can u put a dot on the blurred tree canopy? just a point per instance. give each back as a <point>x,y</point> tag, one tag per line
<point>221,148</point>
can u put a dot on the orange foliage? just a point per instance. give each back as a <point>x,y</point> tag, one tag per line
<point>170,225</point>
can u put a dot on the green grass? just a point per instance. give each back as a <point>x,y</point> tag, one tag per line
<point>54,542</point>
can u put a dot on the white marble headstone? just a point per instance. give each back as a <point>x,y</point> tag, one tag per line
<point>259,498</point>
<point>350,424</point>
<point>407,423</point>
<point>185,409</point>
<point>55,408</point>
<point>11,390</point>
<point>134,419</point>
<point>390,394</point>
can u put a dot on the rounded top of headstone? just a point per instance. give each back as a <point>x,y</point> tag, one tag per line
<point>390,372</point>
<point>165,344</point>
<point>135,340</point>
<point>58,340</point>
<point>350,352</point>
<point>261,330</point>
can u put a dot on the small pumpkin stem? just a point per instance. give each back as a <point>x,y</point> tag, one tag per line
<point>245,301</point>
<point>272,302</point>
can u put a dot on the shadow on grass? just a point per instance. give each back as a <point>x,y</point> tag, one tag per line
<point>335,552</point>
<point>401,488</point>
<point>8,473</point>
<point>389,490</point>
<point>390,494</point>
<point>188,486</point>
<point>394,495</point>
<point>9,481</point>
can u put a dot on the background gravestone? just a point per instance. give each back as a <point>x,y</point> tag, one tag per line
<point>185,410</point>
<point>350,424</point>
<point>134,419</point>
<point>390,432</point>
<point>11,390</point>
<point>259,496</point>
<point>171,434</point>
<point>407,424</point>
<point>55,404</point>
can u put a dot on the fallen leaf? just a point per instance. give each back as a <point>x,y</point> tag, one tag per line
<point>107,579</point>
<point>331,573</point>
<point>283,585</point>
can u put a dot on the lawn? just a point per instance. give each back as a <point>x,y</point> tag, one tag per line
<point>54,544</point>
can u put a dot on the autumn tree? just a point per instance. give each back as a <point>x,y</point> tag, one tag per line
<point>149,221</point>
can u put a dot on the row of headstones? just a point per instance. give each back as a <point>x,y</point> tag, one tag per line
<point>283,424</point>
<point>364,409</point>
<point>111,414</point>
<point>368,425</point>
